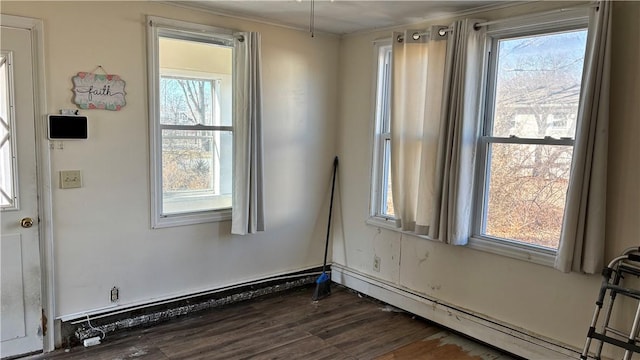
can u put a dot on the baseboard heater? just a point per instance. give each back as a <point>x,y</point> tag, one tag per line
<point>490,331</point>
<point>74,331</point>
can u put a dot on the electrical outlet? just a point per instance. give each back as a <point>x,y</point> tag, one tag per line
<point>115,294</point>
<point>376,263</point>
<point>70,179</point>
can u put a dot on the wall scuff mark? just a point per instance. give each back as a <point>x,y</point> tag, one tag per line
<point>425,258</point>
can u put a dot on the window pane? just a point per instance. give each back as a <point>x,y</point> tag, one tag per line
<point>385,85</point>
<point>187,101</point>
<point>538,85</point>
<point>196,170</point>
<point>7,171</point>
<point>387,196</point>
<point>527,192</point>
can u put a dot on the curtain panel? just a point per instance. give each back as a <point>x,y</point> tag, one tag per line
<point>416,97</point>
<point>247,214</point>
<point>435,107</point>
<point>462,90</point>
<point>582,239</point>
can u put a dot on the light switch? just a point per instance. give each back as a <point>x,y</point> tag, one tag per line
<point>70,179</point>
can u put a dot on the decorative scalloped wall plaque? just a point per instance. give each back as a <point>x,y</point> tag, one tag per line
<point>98,91</point>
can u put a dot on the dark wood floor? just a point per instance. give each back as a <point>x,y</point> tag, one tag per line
<point>289,326</point>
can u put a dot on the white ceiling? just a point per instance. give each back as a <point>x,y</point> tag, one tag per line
<point>339,16</point>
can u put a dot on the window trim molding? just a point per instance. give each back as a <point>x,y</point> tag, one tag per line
<point>384,222</point>
<point>189,28</point>
<point>573,19</point>
<point>156,27</point>
<point>567,19</point>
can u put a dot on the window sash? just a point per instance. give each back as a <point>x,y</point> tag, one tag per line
<point>211,193</point>
<point>546,186</point>
<point>204,199</point>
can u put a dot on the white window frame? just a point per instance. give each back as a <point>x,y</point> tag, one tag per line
<point>562,21</point>
<point>379,176</point>
<point>162,27</point>
<point>9,99</point>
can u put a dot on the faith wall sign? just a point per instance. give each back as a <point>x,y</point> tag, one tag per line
<point>98,91</point>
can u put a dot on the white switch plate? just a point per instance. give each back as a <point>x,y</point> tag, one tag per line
<point>70,179</point>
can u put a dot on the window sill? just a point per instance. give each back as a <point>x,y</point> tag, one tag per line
<point>382,222</point>
<point>191,218</point>
<point>513,250</point>
<point>390,224</point>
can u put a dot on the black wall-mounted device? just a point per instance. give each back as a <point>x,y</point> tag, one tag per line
<point>67,127</point>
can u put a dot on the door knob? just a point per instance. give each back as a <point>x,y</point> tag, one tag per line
<point>26,222</point>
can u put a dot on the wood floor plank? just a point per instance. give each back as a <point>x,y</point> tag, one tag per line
<point>382,332</point>
<point>378,345</point>
<point>429,350</point>
<point>309,314</point>
<point>114,349</point>
<point>234,344</point>
<point>308,348</point>
<point>212,322</point>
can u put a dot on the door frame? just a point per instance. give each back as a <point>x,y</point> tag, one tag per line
<point>43,169</point>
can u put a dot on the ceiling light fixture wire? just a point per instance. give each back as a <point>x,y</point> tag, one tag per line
<point>312,15</point>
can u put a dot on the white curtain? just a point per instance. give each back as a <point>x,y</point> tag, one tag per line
<point>416,96</point>
<point>582,240</point>
<point>247,215</point>
<point>461,119</point>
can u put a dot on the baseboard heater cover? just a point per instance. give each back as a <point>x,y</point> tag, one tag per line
<point>75,331</point>
<point>502,336</point>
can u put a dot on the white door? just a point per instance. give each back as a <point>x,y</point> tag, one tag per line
<point>20,293</point>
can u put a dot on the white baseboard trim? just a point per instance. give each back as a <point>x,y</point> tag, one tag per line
<point>503,336</point>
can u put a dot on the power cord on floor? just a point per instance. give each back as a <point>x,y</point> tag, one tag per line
<point>104,335</point>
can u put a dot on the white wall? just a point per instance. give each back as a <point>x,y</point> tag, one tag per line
<point>536,298</point>
<point>102,234</point>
